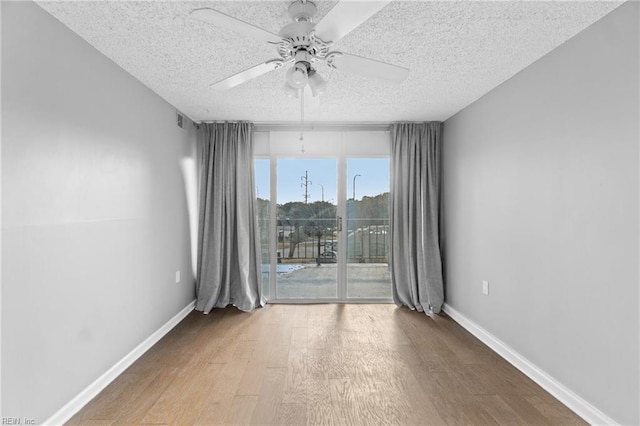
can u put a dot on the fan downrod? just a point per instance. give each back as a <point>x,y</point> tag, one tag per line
<point>302,11</point>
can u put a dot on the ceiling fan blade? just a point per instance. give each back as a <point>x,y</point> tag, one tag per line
<point>345,16</point>
<point>367,67</point>
<point>233,24</point>
<point>248,74</point>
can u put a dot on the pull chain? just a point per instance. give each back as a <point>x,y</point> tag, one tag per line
<point>301,119</point>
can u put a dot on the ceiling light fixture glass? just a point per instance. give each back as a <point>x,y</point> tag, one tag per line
<point>290,91</point>
<point>297,76</point>
<point>317,83</point>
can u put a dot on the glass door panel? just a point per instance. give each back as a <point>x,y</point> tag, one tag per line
<point>263,214</point>
<point>367,236</point>
<point>306,229</point>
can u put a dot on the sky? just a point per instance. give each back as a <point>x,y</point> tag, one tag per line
<point>373,179</point>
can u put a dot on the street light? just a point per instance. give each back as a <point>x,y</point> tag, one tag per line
<point>354,186</point>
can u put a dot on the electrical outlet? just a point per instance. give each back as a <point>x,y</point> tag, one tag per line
<point>177,277</point>
<point>485,287</point>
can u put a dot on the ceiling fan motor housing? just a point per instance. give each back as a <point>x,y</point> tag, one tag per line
<point>299,36</point>
<point>298,33</point>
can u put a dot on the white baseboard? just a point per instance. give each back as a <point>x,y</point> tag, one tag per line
<point>76,404</point>
<point>578,405</point>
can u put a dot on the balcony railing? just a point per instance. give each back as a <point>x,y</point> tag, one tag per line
<point>313,240</point>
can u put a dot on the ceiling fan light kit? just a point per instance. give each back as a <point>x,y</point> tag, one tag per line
<point>317,84</point>
<point>290,91</point>
<point>304,43</point>
<point>297,76</point>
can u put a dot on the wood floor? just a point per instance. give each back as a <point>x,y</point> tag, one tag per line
<point>322,364</point>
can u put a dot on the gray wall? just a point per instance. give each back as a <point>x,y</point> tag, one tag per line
<point>94,217</point>
<point>541,198</point>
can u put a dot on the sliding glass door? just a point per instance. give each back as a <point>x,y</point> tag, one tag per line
<point>367,237</point>
<point>325,238</point>
<point>263,216</point>
<point>307,235</point>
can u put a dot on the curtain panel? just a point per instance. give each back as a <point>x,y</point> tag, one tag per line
<point>416,263</point>
<point>228,254</point>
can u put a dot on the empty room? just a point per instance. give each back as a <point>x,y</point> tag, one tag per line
<point>320,212</point>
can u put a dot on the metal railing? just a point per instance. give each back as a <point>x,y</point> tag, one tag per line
<point>313,240</point>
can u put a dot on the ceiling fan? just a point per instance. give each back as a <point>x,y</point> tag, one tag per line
<point>304,43</point>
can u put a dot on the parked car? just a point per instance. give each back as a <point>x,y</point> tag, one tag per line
<point>328,257</point>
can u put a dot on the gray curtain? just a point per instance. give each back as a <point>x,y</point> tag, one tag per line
<point>416,264</point>
<point>228,253</point>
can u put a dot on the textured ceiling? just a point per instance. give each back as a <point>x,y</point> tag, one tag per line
<point>456,50</point>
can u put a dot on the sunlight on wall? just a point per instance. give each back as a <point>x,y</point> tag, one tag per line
<point>188,167</point>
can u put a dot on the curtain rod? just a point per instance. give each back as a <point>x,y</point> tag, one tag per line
<point>322,126</point>
<point>319,126</point>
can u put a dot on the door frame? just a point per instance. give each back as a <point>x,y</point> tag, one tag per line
<point>343,148</point>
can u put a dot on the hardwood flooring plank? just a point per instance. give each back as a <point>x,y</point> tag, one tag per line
<point>270,397</point>
<point>219,402</point>
<point>422,410</point>
<point>241,410</point>
<point>173,400</point>
<point>466,346</point>
<point>299,337</point>
<point>97,422</point>
<point>492,381</point>
<point>557,413</point>
<point>518,382</point>
<point>341,391</point>
<point>123,392</point>
<point>190,404</point>
<point>111,396</point>
<point>322,364</point>
<point>500,410</point>
<point>295,387</point>
<point>252,378</point>
<point>138,407</point>
<point>208,351</point>
<point>277,356</point>
<point>455,403</point>
<point>291,414</point>
<point>318,391</point>
<point>465,375</point>
<point>525,410</point>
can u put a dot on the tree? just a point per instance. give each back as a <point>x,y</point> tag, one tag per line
<point>310,221</point>
<point>374,210</point>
